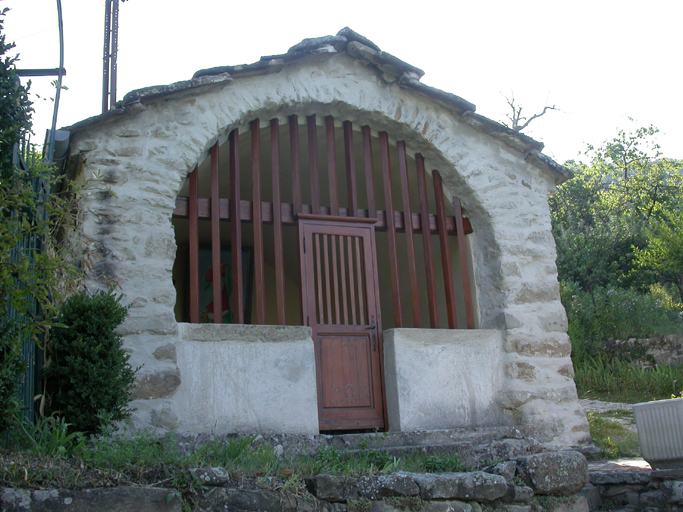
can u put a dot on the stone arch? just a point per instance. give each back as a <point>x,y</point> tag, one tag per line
<point>144,151</point>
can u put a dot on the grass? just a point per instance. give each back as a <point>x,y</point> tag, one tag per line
<point>611,437</point>
<point>143,459</point>
<point>625,381</point>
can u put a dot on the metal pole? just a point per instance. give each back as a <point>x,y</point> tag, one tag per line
<point>51,149</point>
<point>114,51</point>
<point>106,56</point>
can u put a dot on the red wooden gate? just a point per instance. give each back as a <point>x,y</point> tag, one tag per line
<point>340,298</point>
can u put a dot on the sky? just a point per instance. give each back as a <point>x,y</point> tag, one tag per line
<point>600,62</point>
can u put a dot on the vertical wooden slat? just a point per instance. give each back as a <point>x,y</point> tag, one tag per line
<point>410,239</point>
<point>194,247</point>
<point>352,291</point>
<point>332,165</point>
<point>427,241</point>
<point>342,282</point>
<point>391,229</point>
<point>216,238</point>
<point>335,279</point>
<point>350,169</point>
<point>277,221</point>
<point>296,164</point>
<point>318,265</point>
<point>464,270</point>
<point>313,163</point>
<point>236,228</point>
<point>361,288</point>
<point>369,172</point>
<point>445,252</point>
<point>328,284</point>
<point>257,216</point>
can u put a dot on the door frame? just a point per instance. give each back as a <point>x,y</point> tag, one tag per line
<point>353,222</point>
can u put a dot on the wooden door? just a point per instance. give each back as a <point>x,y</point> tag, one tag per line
<point>340,302</point>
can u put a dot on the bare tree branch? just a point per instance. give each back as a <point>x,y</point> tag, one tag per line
<point>517,121</point>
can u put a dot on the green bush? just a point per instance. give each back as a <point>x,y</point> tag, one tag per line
<point>88,378</point>
<point>11,370</point>
<point>616,313</point>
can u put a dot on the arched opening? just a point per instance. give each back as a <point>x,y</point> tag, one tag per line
<point>321,166</point>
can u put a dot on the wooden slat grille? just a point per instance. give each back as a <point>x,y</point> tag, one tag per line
<point>266,190</point>
<point>340,300</point>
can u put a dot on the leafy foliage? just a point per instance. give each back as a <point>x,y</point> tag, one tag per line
<point>616,313</point>
<point>15,107</point>
<point>32,268</point>
<point>602,217</point>
<point>88,378</point>
<point>11,370</point>
<point>663,251</point>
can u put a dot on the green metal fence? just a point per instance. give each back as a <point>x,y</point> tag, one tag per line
<point>27,249</point>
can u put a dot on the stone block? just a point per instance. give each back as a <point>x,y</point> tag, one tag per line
<point>571,504</point>
<point>166,352</point>
<point>560,473</point>
<point>449,395</point>
<point>116,499</point>
<point>518,494</point>
<point>157,385</point>
<point>341,489</point>
<point>673,491</point>
<point>475,486</point>
<point>592,495</point>
<point>506,469</point>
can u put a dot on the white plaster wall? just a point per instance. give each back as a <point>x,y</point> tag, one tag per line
<point>442,379</point>
<point>145,154</point>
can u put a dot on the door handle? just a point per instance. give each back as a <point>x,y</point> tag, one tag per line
<point>373,333</point>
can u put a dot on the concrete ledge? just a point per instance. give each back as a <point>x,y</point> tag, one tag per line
<point>442,379</point>
<point>237,332</point>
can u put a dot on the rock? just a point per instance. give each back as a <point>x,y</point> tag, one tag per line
<point>116,499</point>
<point>157,385</point>
<point>656,499</point>
<point>513,508</point>
<point>518,494</point>
<point>214,477</point>
<point>673,491</point>
<point>592,495</point>
<point>451,506</point>
<point>573,504</point>
<point>619,477</point>
<point>242,500</point>
<point>475,486</point>
<point>341,489</point>
<point>505,469</point>
<point>557,474</point>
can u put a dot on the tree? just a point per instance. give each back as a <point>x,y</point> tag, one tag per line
<point>663,252</point>
<point>601,217</point>
<point>15,107</point>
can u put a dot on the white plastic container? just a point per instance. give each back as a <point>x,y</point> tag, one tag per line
<point>660,429</point>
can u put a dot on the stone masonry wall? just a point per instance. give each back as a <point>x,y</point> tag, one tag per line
<point>133,165</point>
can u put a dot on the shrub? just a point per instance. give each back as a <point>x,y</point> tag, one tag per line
<point>11,370</point>
<point>616,313</point>
<point>88,378</point>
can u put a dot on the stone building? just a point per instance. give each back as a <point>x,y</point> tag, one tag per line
<point>444,314</point>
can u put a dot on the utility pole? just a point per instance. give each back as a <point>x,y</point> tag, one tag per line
<point>111,43</point>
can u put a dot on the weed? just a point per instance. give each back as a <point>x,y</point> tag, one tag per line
<point>359,505</point>
<point>50,437</point>
<point>614,439</point>
<point>443,464</point>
